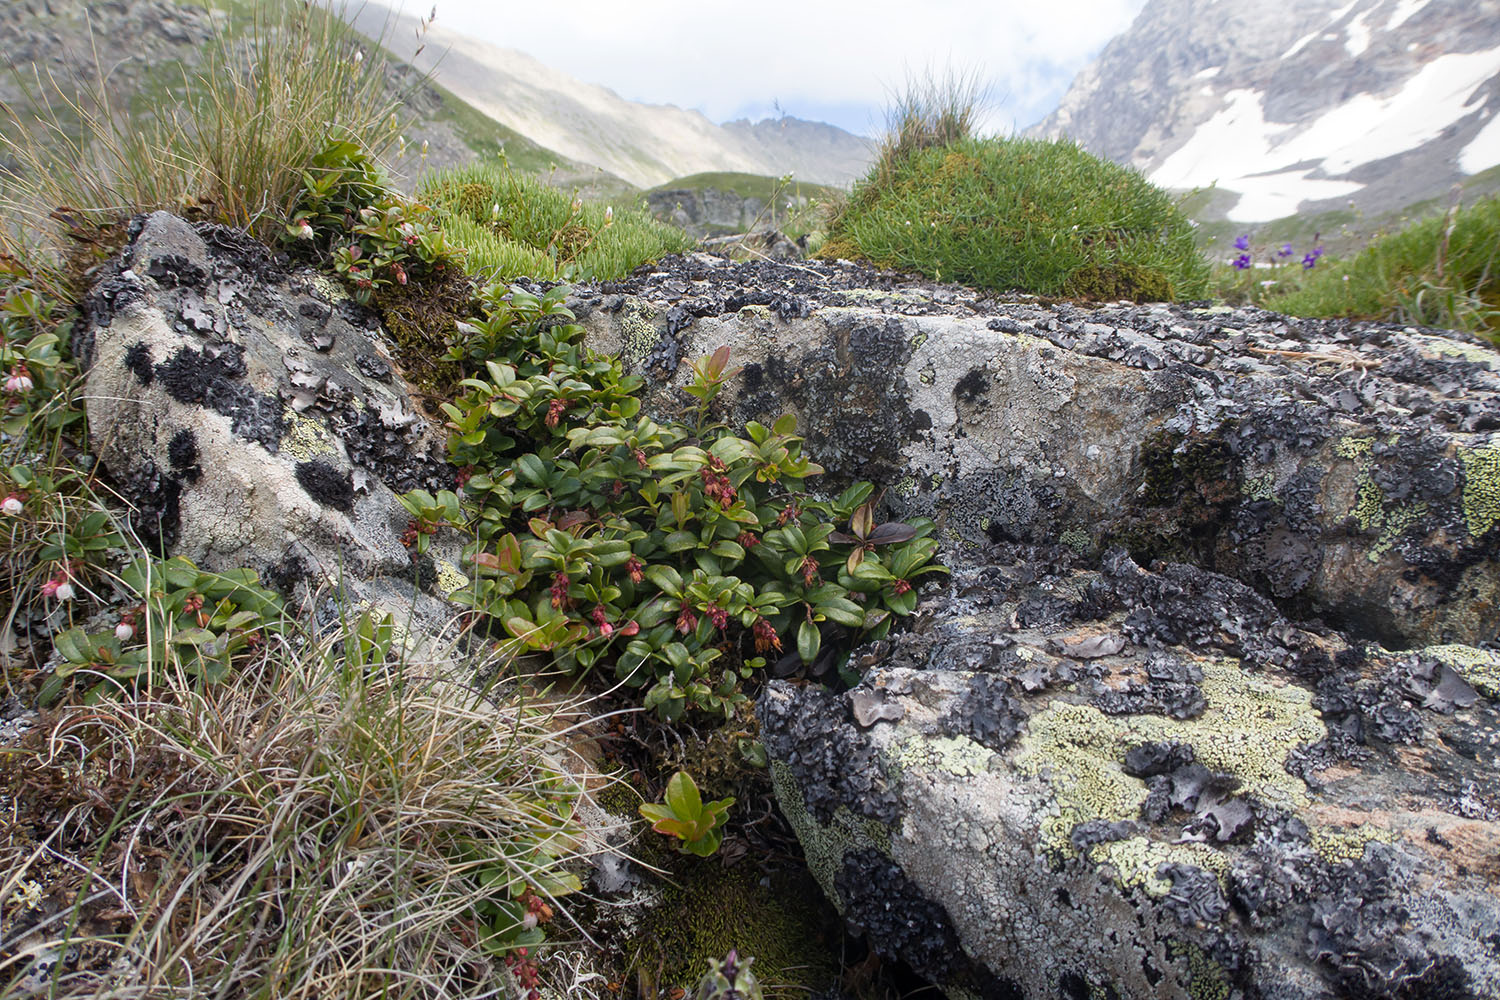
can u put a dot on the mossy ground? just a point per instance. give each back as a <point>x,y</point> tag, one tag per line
<point>1023,215</point>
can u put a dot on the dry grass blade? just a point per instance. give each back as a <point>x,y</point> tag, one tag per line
<point>310,829</point>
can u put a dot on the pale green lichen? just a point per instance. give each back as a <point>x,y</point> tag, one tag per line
<point>305,438</point>
<point>918,340</point>
<point>1247,730</point>
<point>1443,347</point>
<point>1480,667</point>
<point>956,755</point>
<point>450,579</point>
<point>928,374</point>
<point>1076,539</point>
<point>1260,487</point>
<point>638,333</point>
<point>1481,488</point>
<point>1354,448</point>
<point>1370,510</point>
<point>1336,845</point>
<point>1206,978</point>
<point>328,288</point>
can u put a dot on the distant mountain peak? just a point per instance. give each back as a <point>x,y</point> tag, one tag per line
<point>1296,105</point>
<point>646,144</point>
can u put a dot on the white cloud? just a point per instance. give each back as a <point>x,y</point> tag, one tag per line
<point>808,54</point>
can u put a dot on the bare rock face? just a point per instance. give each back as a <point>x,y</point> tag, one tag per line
<point>1130,783</point>
<point>250,414</point>
<point>1349,471</point>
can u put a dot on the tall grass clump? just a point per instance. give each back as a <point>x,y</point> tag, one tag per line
<point>341,821</point>
<point>515,225</point>
<point>932,110</point>
<point>266,98</point>
<point>1023,215</point>
<point>1440,271</point>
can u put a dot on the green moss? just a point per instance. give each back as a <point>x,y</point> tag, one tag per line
<point>782,921</point>
<point>1076,539</point>
<point>1480,667</point>
<point>1481,488</point>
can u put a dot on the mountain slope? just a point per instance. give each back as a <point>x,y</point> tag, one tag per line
<point>645,144</point>
<point>1296,105</point>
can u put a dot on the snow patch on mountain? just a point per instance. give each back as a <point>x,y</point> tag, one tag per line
<point>1296,105</point>
<point>1242,151</point>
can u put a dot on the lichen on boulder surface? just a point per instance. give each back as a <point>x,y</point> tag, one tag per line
<point>1349,471</point>
<point>1149,782</point>
<point>251,416</point>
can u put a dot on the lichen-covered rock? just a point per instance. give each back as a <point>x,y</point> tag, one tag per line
<point>250,415</point>
<point>1347,470</point>
<point>1122,782</point>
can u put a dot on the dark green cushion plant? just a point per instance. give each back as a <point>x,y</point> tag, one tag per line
<point>1022,215</point>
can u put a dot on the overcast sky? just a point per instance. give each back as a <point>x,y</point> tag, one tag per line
<point>824,60</point>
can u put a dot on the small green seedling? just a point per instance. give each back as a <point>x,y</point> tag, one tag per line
<point>687,817</point>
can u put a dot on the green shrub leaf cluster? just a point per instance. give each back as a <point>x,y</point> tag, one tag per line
<point>681,557</point>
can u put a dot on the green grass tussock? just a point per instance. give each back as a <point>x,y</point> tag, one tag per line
<point>1022,215</point>
<point>514,225</point>
<point>1441,271</point>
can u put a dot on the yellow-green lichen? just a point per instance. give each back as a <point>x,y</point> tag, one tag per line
<point>1261,487</point>
<point>1335,845</point>
<point>1481,488</point>
<point>1354,448</point>
<point>1135,861</point>
<point>1480,667</point>
<point>1370,510</point>
<point>919,340</point>
<point>638,333</point>
<point>449,578</point>
<point>328,288</point>
<point>1206,978</point>
<point>952,754</point>
<point>1247,729</point>
<point>305,438</point>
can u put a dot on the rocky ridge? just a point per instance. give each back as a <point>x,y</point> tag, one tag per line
<point>1345,469</point>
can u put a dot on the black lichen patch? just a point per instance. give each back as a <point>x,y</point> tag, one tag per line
<point>155,501</point>
<point>1171,688</point>
<point>214,377</point>
<point>898,919</point>
<point>325,484</point>
<point>182,453</point>
<point>988,713</point>
<point>138,360</point>
<point>173,270</point>
<point>973,386</point>
<point>834,764</point>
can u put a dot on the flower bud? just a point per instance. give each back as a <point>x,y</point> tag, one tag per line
<point>12,505</point>
<point>124,631</point>
<point>19,381</point>
<point>64,591</point>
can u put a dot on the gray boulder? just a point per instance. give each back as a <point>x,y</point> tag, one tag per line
<point>251,415</point>
<point>1349,470</point>
<point>1130,783</point>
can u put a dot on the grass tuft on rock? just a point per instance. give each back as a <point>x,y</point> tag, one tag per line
<point>514,225</point>
<point>1022,215</point>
